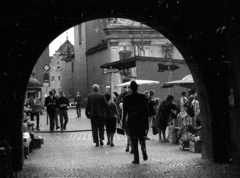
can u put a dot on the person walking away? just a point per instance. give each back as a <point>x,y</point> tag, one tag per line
<point>50,104</point>
<point>63,105</point>
<point>78,100</point>
<point>165,109</point>
<point>34,103</point>
<point>126,128</point>
<point>135,105</point>
<point>111,120</point>
<point>96,110</point>
<point>56,110</point>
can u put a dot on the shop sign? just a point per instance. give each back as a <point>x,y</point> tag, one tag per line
<point>46,67</point>
<point>109,71</point>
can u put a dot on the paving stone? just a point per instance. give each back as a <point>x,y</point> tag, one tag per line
<point>72,154</point>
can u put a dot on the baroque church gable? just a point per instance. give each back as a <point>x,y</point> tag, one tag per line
<point>66,51</point>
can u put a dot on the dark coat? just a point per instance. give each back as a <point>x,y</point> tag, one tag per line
<point>136,106</point>
<point>50,107</point>
<point>62,100</point>
<point>96,105</point>
<point>164,112</point>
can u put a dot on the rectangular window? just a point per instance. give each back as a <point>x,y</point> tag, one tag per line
<point>59,78</point>
<point>53,78</point>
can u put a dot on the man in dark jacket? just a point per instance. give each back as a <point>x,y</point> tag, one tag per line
<point>63,105</point>
<point>50,104</point>
<point>96,110</point>
<point>135,105</point>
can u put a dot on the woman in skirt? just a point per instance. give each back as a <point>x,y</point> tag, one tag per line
<point>111,120</point>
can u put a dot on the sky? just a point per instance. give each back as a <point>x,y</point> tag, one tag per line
<point>55,44</point>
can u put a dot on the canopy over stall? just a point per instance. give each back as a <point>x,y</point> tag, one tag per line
<point>139,82</point>
<point>33,82</point>
<point>186,82</point>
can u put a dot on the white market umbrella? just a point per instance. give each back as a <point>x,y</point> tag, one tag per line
<point>139,82</point>
<point>186,82</point>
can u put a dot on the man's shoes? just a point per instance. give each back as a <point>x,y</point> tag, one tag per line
<point>108,143</point>
<point>131,152</point>
<point>145,156</point>
<point>135,162</point>
<point>97,145</point>
<point>57,127</point>
<point>101,143</point>
<point>112,145</point>
<point>127,150</point>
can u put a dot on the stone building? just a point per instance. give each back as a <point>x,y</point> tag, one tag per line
<point>115,39</point>
<point>39,72</point>
<point>206,33</point>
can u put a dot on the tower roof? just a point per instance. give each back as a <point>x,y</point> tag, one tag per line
<point>66,50</point>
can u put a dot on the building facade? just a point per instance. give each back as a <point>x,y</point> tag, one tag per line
<point>115,39</point>
<point>39,72</point>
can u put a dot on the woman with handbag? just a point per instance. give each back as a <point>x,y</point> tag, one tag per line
<point>111,119</point>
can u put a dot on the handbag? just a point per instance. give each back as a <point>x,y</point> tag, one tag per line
<point>120,129</point>
<point>154,130</point>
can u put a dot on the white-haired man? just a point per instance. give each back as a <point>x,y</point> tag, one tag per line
<point>96,110</point>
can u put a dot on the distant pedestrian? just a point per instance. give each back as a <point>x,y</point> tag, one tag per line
<point>56,110</point>
<point>35,103</point>
<point>164,112</point>
<point>50,104</point>
<point>136,107</point>
<point>63,105</point>
<point>195,103</point>
<point>78,100</point>
<point>96,110</point>
<point>111,119</point>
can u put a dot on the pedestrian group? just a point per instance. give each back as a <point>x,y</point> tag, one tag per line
<point>132,112</point>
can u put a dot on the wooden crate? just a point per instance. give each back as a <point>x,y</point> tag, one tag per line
<point>195,147</point>
<point>37,142</point>
<point>183,145</point>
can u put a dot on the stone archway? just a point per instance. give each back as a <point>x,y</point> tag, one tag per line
<point>199,31</point>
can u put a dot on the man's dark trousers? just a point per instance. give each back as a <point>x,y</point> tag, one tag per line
<point>63,114</point>
<point>51,115</point>
<point>138,135</point>
<point>97,129</point>
<point>78,108</point>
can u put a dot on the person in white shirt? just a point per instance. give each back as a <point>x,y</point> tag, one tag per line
<point>196,107</point>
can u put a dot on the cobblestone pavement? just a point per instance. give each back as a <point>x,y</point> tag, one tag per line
<point>74,123</point>
<point>72,154</point>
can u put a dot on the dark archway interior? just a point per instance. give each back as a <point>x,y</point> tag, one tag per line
<point>205,33</point>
